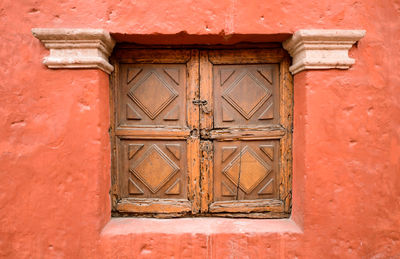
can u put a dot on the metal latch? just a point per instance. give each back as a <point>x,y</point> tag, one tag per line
<point>203,104</point>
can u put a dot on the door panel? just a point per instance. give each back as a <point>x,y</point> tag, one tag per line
<point>246,170</point>
<point>153,169</point>
<point>246,95</point>
<point>152,95</point>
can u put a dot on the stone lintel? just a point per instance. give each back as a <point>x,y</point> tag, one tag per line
<point>76,48</point>
<point>321,49</point>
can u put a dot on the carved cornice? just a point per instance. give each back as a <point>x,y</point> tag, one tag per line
<point>321,49</point>
<point>76,48</point>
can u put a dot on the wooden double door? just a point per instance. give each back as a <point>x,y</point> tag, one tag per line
<point>201,132</point>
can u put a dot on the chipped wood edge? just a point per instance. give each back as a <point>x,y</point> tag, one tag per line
<point>246,56</point>
<point>193,142</point>
<point>286,121</point>
<point>248,206</point>
<point>114,190</point>
<point>235,134</point>
<point>153,55</point>
<point>207,174</point>
<point>155,206</point>
<point>144,133</point>
<point>206,123</point>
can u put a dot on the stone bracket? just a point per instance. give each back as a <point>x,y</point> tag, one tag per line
<point>321,49</point>
<point>76,48</point>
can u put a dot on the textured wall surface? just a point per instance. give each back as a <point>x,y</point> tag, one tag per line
<point>55,153</point>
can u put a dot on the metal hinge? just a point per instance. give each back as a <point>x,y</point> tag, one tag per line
<point>203,104</point>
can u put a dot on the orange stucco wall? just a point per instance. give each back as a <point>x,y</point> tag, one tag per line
<point>55,152</point>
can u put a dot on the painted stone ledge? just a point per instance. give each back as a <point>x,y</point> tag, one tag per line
<point>321,49</point>
<point>76,48</point>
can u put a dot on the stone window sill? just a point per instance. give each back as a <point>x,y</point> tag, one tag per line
<point>206,226</point>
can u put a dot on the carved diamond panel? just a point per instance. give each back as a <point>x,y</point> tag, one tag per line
<point>152,94</point>
<point>247,169</point>
<point>247,164</point>
<point>155,168</point>
<point>152,168</point>
<point>246,95</point>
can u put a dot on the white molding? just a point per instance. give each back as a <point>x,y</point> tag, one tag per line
<point>76,48</point>
<point>321,49</point>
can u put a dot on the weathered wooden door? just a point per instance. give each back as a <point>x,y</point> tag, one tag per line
<point>202,132</point>
<point>245,136</point>
<point>156,145</point>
